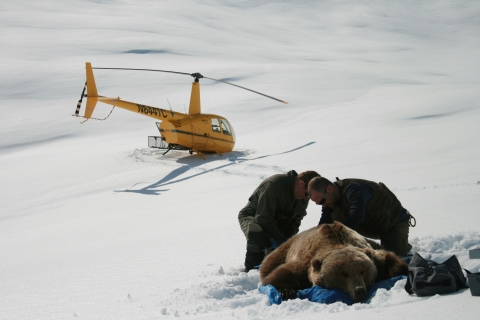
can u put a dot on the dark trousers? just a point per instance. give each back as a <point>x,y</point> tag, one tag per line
<point>258,240</point>
<point>395,239</point>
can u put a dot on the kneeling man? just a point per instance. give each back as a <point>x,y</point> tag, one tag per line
<point>274,212</point>
<point>368,207</point>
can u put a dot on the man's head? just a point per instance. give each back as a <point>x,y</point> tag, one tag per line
<point>322,192</point>
<point>301,183</point>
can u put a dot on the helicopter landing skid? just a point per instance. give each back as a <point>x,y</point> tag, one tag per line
<point>199,154</point>
<point>189,151</point>
<point>159,143</point>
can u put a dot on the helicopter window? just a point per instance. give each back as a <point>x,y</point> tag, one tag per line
<point>215,125</point>
<point>225,127</point>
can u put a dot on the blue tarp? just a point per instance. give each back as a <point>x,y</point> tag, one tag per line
<point>322,295</point>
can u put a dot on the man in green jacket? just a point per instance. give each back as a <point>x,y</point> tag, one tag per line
<point>274,213</point>
<point>368,207</point>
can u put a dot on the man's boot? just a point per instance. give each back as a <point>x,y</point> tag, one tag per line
<point>253,259</point>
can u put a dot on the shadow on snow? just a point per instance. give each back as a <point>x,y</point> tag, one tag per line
<point>192,162</point>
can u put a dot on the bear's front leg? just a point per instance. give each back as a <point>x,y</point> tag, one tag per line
<point>275,259</point>
<point>289,277</point>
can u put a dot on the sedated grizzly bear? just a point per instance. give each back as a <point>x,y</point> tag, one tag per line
<point>332,256</point>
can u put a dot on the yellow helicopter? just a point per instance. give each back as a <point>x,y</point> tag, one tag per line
<point>194,132</point>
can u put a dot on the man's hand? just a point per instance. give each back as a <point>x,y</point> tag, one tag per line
<point>274,243</point>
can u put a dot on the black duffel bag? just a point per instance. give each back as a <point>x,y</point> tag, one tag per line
<point>427,278</point>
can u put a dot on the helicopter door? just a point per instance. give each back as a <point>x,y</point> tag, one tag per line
<point>216,134</point>
<point>215,125</point>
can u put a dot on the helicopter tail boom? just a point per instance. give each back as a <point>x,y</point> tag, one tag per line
<point>93,98</point>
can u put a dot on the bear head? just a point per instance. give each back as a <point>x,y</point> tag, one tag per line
<point>348,268</point>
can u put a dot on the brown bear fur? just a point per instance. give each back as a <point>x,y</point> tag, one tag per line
<point>330,256</point>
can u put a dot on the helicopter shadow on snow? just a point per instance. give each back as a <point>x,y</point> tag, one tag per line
<point>192,162</point>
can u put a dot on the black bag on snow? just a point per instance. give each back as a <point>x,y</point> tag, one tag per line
<point>427,278</point>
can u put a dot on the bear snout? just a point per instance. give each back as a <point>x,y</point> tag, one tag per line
<point>360,293</point>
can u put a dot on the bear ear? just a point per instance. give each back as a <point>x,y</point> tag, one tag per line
<point>369,252</point>
<point>330,230</point>
<point>337,227</point>
<point>316,264</point>
<point>342,230</point>
<point>389,265</point>
<point>324,228</point>
<point>317,261</point>
<point>394,265</point>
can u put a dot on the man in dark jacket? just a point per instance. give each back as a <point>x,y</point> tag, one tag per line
<point>274,213</point>
<point>368,207</point>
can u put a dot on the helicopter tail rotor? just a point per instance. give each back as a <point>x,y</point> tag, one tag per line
<point>79,104</point>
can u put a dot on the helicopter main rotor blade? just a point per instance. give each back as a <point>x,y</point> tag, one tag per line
<point>196,76</point>
<point>262,94</point>
<point>188,74</point>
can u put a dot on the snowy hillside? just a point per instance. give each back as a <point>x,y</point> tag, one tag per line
<point>95,225</point>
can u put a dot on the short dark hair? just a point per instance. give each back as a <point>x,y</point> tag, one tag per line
<point>319,184</point>
<point>307,176</point>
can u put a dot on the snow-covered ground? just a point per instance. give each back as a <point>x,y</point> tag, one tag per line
<point>95,225</point>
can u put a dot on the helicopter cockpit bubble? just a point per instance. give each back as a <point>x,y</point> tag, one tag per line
<point>226,127</point>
